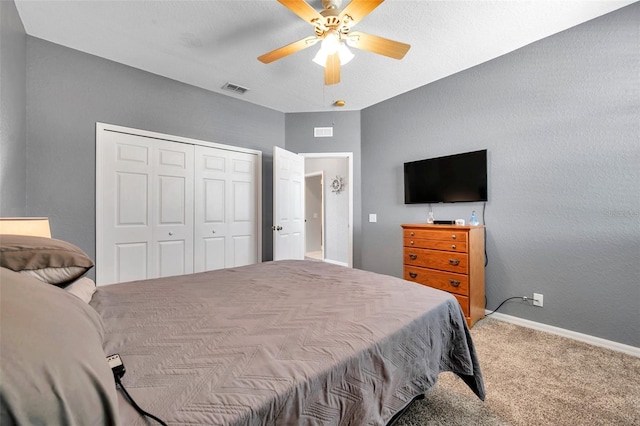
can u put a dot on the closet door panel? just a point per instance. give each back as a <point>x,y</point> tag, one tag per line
<point>172,259</point>
<point>126,229</point>
<point>242,210</point>
<point>173,208</point>
<point>214,253</point>
<point>211,193</point>
<point>243,250</point>
<point>131,261</point>
<point>132,192</point>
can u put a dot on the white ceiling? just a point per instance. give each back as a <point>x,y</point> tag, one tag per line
<point>211,42</point>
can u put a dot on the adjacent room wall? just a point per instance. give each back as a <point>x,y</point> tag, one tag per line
<point>336,207</point>
<point>69,91</point>
<point>346,138</point>
<point>313,213</point>
<point>13,110</point>
<point>560,121</point>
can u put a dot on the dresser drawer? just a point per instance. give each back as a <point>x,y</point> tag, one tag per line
<point>433,234</point>
<point>443,261</point>
<point>453,283</point>
<point>464,303</point>
<point>458,246</point>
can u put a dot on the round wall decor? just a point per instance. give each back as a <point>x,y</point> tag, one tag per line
<point>337,184</point>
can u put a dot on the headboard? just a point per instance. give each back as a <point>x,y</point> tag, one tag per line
<point>35,226</point>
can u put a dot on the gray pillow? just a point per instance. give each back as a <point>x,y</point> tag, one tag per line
<point>47,259</point>
<point>53,367</point>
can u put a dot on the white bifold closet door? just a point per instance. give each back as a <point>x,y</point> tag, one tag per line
<point>148,208</point>
<point>225,210</point>
<point>171,208</point>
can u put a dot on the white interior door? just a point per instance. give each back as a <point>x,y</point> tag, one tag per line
<point>288,205</point>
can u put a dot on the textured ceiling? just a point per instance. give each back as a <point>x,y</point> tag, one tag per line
<point>209,43</point>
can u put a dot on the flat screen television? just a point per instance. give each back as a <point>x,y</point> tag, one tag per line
<point>451,179</point>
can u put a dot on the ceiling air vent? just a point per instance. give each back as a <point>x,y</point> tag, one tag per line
<point>235,88</point>
<point>323,132</point>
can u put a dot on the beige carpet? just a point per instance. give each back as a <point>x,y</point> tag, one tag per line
<point>535,378</point>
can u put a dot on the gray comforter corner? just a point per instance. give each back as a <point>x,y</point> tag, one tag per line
<point>282,343</point>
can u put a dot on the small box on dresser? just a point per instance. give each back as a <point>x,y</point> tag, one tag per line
<point>449,258</point>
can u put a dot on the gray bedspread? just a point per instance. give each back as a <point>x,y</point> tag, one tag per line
<point>282,343</point>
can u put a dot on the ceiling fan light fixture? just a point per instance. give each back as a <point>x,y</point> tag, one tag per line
<point>343,52</point>
<point>331,42</point>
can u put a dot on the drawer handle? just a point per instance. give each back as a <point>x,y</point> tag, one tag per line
<point>413,274</point>
<point>453,246</point>
<point>454,283</point>
<point>454,262</point>
<point>412,234</point>
<point>411,243</point>
<point>453,237</point>
<point>413,256</point>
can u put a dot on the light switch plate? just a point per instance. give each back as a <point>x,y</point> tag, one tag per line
<point>373,217</point>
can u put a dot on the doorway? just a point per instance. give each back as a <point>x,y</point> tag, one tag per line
<point>314,216</point>
<point>337,205</point>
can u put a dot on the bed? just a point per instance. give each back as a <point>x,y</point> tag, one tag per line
<point>276,343</point>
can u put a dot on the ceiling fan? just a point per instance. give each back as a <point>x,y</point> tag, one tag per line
<point>333,30</point>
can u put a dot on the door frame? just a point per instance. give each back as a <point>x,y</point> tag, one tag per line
<point>102,128</point>
<point>349,157</point>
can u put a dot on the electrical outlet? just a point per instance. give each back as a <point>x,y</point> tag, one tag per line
<point>537,299</point>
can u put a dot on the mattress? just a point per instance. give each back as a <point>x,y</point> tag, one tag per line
<point>282,343</point>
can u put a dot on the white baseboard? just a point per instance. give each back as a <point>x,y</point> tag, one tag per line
<point>596,341</point>
<point>335,262</point>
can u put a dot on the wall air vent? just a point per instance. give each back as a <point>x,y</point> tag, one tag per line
<point>235,88</point>
<point>323,132</point>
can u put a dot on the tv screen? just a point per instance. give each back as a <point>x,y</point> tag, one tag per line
<point>450,179</point>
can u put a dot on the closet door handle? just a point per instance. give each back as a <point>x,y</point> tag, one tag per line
<point>413,274</point>
<point>413,256</point>
<point>213,232</point>
<point>454,262</point>
<point>170,233</point>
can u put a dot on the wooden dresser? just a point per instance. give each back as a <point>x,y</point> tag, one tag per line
<point>449,258</point>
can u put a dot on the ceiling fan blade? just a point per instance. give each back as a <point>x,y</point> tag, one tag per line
<point>376,44</point>
<point>283,51</point>
<point>302,9</point>
<point>332,70</point>
<point>358,9</point>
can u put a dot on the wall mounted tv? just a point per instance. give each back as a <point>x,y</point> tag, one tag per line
<point>450,179</point>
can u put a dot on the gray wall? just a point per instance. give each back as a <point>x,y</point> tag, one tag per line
<point>13,110</point>
<point>346,138</point>
<point>69,91</point>
<point>560,121</point>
